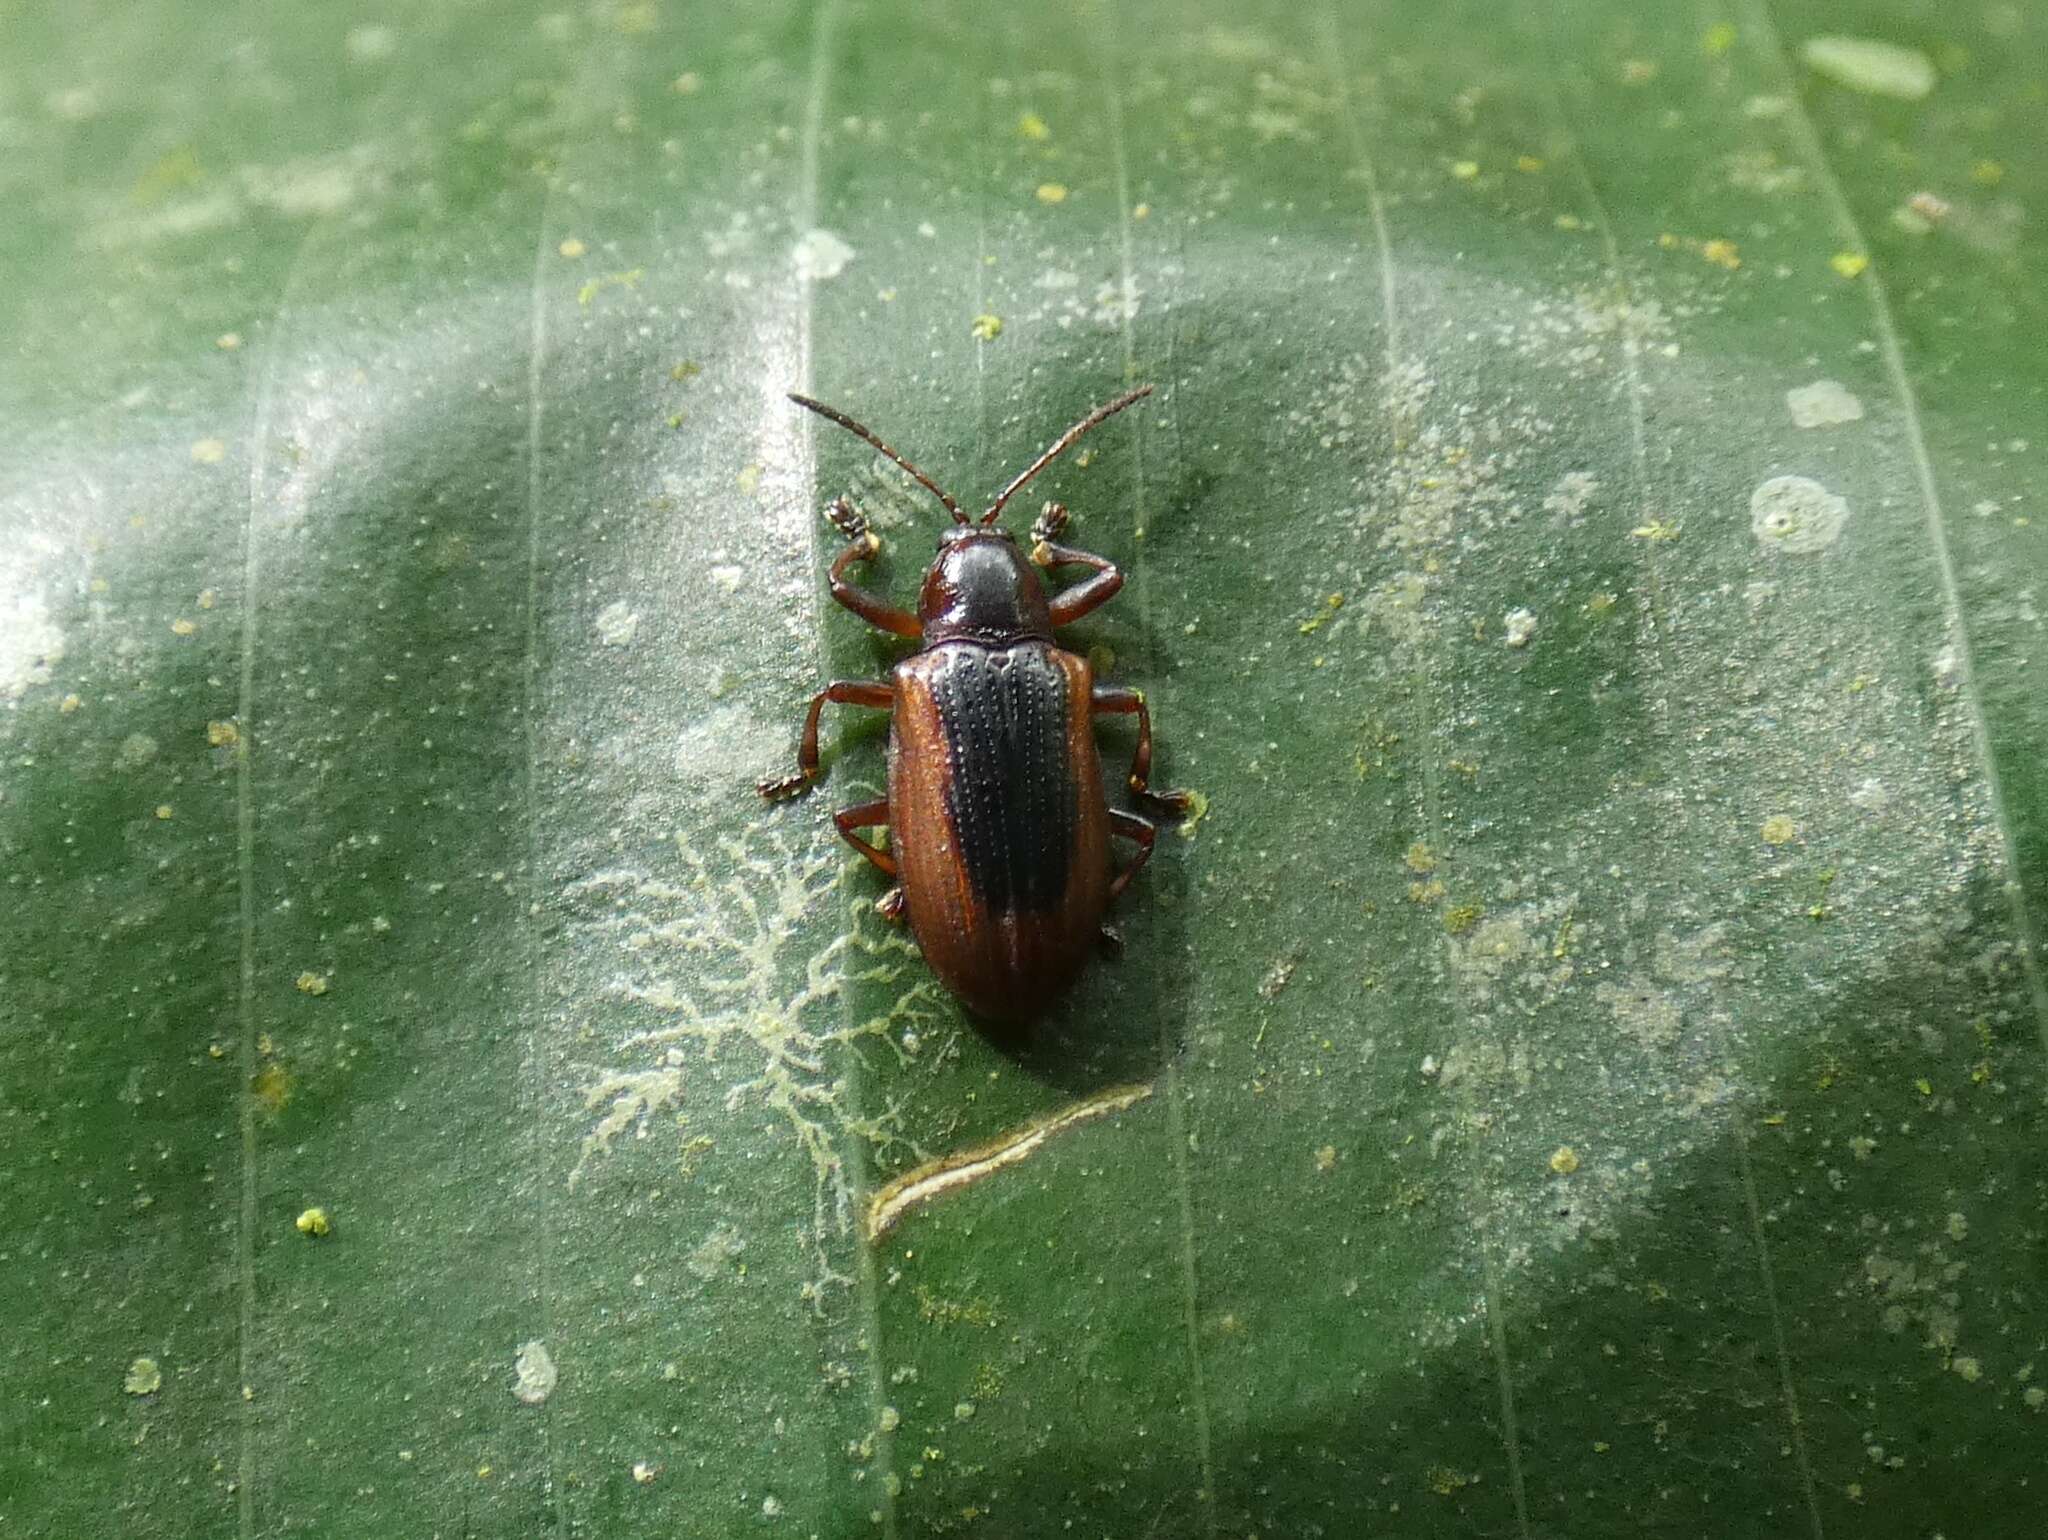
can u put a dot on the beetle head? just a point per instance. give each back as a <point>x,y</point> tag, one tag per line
<point>982,589</point>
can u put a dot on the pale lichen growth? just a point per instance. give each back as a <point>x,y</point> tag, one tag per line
<point>748,998</point>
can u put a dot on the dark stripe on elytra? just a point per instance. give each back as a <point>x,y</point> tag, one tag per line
<point>1011,793</point>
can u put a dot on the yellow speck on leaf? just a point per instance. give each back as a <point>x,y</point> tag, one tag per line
<point>314,1222</point>
<point>227,342</point>
<point>1052,192</point>
<point>163,811</point>
<point>1656,529</point>
<point>209,451</point>
<point>69,704</point>
<point>1444,1481</point>
<point>221,734</point>
<point>750,478</point>
<point>1142,211</point>
<point>1326,1158</point>
<point>1530,164</point>
<point>311,983</point>
<point>1564,1160</point>
<point>1923,1087</point>
<point>627,280</point>
<point>272,1087</point>
<point>1778,830</point>
<point>1718,40</point>
<point>986,328</point>
<point>1033,127</point>
<point>1198,809</point>
<point>1849,264</point>
<point>144,1378</point>
<point>689,83</point>
<point>1722,253</point>
<point>1461,918</point>
<point>1570,222</point>
<point>688,369</point>
<point>1420,858</point>
<point>1465,170</point>
<point>183,627</point>
<point>1775,1120</point>
<point>208,598</point>
<point>1987,173</point>
<point>572,248</point>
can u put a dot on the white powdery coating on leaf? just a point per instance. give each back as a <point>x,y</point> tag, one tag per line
<point>1865,64</point>
<point>1822,404</point>
<point>1796,514</point>
<point>30,642</point>
<point>820,254</point>
<point>535,1367</point>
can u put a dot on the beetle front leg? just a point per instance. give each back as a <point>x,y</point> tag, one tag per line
<point>1110,701</point>
<point>844,692</point>
<point>1070,604</point>
<point>863,544</point>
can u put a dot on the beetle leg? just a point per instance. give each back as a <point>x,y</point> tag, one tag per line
<point>1131,827</point>
<point>1070,604</point>
<point>1110,701</point>
<point>890,906</point>
<point>863,544</point>
<point>869,815</point>
<point>844,692</point>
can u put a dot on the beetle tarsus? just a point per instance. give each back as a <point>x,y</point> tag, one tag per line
<point>1049,525</point>
<point>1174,805</point>
<point>782,787</point>
<point>852,523</point>
<point>890,906</point>
<point>1110,940</point>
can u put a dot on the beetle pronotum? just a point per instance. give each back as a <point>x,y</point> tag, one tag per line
<point>999,829</point>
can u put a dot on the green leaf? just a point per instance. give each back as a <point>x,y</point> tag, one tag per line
<point>1582,1074</point>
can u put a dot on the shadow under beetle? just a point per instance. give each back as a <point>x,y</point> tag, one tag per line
<point>1000,831</point>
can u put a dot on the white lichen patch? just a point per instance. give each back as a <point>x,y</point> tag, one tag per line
<point>737,1004</point>
<point>534,1374</point>
<point>819,254</point>
<point>1796,515</point>
<point>616,623</point>
<point>1823,404</point>
<point>715,1253</point>
<point>1870,65</point>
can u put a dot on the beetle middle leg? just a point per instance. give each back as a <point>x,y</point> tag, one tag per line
<point>1111,701</point>
<point>1136,829</point>
<point>844,692</point>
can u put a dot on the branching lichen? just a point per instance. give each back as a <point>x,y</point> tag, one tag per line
<point>728,963</point>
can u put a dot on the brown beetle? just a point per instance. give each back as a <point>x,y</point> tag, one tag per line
<point>1000,830</point>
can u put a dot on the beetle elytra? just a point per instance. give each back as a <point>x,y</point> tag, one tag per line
<point>999,828</point>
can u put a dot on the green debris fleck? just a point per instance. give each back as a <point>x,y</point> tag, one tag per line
<point>986,328</point>
<point>314,1223</point>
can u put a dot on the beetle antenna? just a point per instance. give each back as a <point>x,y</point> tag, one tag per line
<point>1061,446</point>
<point>846,422</point>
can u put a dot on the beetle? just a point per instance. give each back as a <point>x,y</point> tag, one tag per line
<point>999,828</point>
